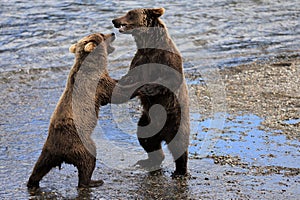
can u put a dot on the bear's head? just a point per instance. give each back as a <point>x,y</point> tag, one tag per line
<point>139,18</point>
<point>89,76</point>
<point>87,44</point>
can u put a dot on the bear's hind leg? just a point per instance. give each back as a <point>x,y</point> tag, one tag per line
<point>180,155</point>
<point>44,164</point>
<point>85,171</point>
<point>181,165</point>
<point>155,154</point>
<point>151,142</point>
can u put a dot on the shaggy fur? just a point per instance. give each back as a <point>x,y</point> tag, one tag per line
<point>74,119</point>
<point>156,77</point>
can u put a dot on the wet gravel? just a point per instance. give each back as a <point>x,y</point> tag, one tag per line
<point>264,91</point>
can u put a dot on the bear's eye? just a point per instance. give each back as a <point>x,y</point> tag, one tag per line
<point>131,15</point>
<point>95,42</point>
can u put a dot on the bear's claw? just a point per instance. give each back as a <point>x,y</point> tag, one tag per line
<point>180,174</point>
<point>96,183</point>
<point>32,185</point>
<point>93,183</point>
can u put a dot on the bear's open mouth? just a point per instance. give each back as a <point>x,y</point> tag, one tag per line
<point>111,39</point>
<point>119,25</point>
<point>122,27</point>
<point>110,49</point>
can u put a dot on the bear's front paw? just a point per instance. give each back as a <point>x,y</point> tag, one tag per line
<point>149,90</point>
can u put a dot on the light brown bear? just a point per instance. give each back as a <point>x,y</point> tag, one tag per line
<point>75,116</point>
<point>156,76</point>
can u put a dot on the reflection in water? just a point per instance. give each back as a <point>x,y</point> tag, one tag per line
<point>48,193</point>
<point>159,184</point>
<point>242,137</point>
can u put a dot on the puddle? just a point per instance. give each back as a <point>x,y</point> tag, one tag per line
<point>292,121</point>
<point>243,137</point>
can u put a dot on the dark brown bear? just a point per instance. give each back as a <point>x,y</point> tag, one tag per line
<point>156,77</point>
<point>75,116</point>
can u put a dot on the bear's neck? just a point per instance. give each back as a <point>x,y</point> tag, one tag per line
<point>154,37</point>
<point>85,78</point>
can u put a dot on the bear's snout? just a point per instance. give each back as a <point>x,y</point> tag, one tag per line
<point>119,22</point>
<point>112,37</point>
<point>116,23</point>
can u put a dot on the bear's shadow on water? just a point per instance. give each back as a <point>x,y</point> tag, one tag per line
<point>144,185</point>
<point>50,193</point>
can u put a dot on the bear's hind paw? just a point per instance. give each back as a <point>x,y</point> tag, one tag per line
<point>93,183</point>
<point>33,185</point>
<point>148,165</point>
<point>96,183</point>
<point>180,174</point>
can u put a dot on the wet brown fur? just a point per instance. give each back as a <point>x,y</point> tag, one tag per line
<point>64,144</point>
<point>154,45</point>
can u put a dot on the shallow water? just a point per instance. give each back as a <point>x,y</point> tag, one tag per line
<point>241,137</point>
<point>34,43</point>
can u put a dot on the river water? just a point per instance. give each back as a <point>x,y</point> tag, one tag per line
<point>34,42</point>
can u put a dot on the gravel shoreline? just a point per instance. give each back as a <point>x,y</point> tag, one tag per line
<point>268,90</point>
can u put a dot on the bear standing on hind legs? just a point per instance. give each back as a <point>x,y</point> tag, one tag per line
<point>75,116</point>
<point>156,77</point>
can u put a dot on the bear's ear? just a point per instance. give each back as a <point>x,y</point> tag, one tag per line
<point>72,48</point>
<point>89,47</point>
<point>157,12</point>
